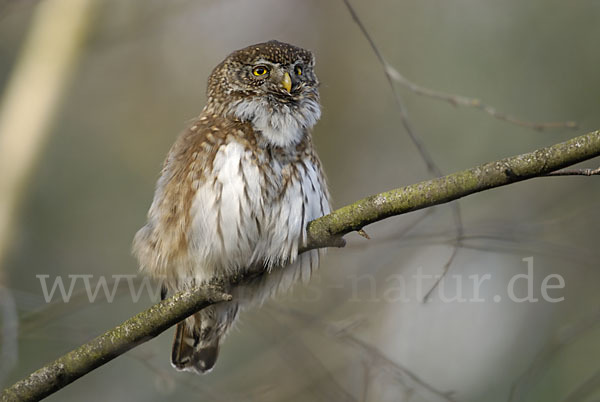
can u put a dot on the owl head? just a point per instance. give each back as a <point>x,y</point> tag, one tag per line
<point>271,85</point>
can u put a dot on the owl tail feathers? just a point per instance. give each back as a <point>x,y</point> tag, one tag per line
<point>189,355</point>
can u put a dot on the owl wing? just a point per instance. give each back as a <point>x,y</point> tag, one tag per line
<point>162,246</point>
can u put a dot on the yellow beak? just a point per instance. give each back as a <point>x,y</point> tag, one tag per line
<point>287,82</point>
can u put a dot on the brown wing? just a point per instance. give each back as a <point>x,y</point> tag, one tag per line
<point>163,240</point>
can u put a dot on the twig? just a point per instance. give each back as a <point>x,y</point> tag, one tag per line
<point>366,379</point>
<point>432,167</point>
<point>373,357</point>
<point>382,358</point>
<point>458,100</point>
<point>394,75</point>
<point>326,231</point>
<point>344,333</point>
<point>309,365</point>
<point>575,172</point>
<point>395,236</point>
<point>550,352</point>
<point>588,388</point>
<point>443,274</point>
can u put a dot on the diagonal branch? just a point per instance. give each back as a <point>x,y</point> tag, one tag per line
<point>133,332</point>
<point>327,231</point>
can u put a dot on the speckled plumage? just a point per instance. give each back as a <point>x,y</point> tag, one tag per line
<point>237,190</point>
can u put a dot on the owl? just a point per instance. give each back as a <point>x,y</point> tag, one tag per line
<point>236,193</point>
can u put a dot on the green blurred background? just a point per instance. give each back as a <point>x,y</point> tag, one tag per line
<point>141,75</point>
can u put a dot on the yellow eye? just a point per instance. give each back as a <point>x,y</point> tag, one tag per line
<point>298,70</point>
<point>260,70</point>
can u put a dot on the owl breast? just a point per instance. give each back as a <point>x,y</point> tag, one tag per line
<point>253,209</point>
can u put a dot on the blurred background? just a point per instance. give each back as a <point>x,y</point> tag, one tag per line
<point>360,330</point>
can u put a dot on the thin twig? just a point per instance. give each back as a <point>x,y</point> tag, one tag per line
<point>383,359</point>
<point>395,236</point>
<point>366,379</point>
<point>458,100</point>
<point>575,172</point>
<point>443,274</point>
<point>550,352</point>
<point>394,75</point>
<point>344,333</point>
<point>432,167</point>
<point>588,388</point>
<point>309,364</point>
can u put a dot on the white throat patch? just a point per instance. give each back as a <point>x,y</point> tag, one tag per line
<point>282,126</point>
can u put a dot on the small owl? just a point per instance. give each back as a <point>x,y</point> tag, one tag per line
<point>237,191</point>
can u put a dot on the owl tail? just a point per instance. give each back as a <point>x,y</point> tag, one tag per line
<point>189,355</point>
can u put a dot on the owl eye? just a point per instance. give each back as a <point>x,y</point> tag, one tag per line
<point>298,70</point>
<point>260,70</point>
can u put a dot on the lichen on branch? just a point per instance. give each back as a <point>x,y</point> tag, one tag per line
<point>328,230</point>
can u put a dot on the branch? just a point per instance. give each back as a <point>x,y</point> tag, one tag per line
<point>327,231</point>
<point>133,332</point>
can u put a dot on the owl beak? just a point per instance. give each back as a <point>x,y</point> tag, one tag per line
<point>287,82</point>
